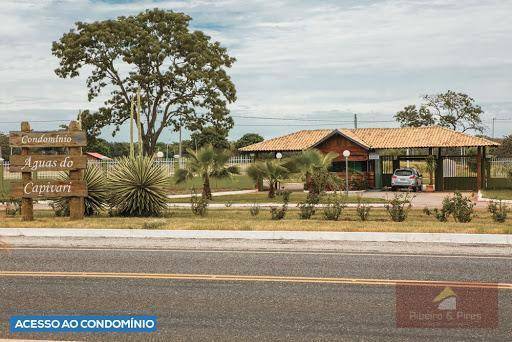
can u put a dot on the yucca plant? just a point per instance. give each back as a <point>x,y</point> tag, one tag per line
<point>206,163</point>
<point>137,187</point>
<point>97,193</point>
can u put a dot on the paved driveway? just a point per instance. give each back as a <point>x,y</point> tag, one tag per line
<point>423,199</point>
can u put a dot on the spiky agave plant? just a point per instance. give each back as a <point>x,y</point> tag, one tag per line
<point>137,187</point>
<point>97,193</point>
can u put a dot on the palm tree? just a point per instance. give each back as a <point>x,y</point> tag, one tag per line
<point>271,170</point>
<point>311,162</point>
<point>206,163</point>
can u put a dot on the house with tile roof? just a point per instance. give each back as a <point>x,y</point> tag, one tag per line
<point>366,144</point>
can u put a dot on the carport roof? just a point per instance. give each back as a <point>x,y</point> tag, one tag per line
<point>373,138</point>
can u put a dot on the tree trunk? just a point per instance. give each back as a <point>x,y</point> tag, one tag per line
<point>309,182</point>
<point>207,191</point>
<point>272,189</point>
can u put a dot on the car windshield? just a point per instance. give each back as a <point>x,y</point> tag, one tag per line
<point>403,172</point>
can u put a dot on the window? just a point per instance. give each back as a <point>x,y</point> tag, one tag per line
<point>353,166</point>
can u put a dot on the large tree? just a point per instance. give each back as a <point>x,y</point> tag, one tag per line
<point>505,150</point>
<point>181,73</point>
<point>457,111</point>
<point>5,149</point>
<point>248,139</point>
<point>211,135</point>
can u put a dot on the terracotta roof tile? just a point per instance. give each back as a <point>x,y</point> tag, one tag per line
<point>376,138</point>
<point>418,137</point>
<point>297,141</point>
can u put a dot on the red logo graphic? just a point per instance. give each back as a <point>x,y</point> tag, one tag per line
<point>434,306</point>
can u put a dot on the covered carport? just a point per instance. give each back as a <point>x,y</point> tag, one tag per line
<point>374,153</point>
<point>460,158</point>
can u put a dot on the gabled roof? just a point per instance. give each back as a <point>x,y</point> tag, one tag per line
<point>373,138</point>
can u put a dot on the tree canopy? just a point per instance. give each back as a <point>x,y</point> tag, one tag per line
<point>211,135</point>
<point>248,139</point>
<point>5,148</point>
<point>457,111</point>
<point>181,73</point>
<point>505,150</point>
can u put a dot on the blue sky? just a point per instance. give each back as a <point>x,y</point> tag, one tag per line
<point>295,59</point>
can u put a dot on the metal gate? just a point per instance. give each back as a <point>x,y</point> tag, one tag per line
<point>459,173</point>
<point>387,170</point>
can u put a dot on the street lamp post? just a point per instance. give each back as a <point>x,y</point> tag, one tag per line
<point>346,154</point>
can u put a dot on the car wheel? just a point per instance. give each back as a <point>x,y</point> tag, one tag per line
<point>393,188</point>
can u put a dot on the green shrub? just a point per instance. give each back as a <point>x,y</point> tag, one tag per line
<point>12,207</point>
<point>255,209</point>
<point>358,181</point>
<point>363,210</point>
<point>97,193</point>
<point>334,207</point>
<point>285,194</point>
<point>306,210</point>
<point>461,207</point>
<point>458,206</point>
<point>228,204</point>
<point>137,187</point>
<point>280,213</point>
<point>398,208</point>
<point>199,205</point>
<point>440,215</point>
<point>313,198</point>
<point>499,211</point>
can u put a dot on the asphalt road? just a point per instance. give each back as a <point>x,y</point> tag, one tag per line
<point>242,295</point>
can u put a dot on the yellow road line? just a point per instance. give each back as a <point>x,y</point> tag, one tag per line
<point>257,278</point>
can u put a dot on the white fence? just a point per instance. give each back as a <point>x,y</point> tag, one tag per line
<point>500,167</point>
<point>169,166</point>
<point>466,167</point>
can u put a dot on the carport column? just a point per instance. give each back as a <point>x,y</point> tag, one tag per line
<point>479,173</point>
<point>378,173</point>
<point>439,180</point>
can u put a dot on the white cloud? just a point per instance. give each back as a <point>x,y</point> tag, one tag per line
<point>295,58</point>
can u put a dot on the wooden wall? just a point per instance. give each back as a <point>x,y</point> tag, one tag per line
<point>338,144</point>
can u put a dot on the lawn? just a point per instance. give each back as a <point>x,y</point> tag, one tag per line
<point>498,194</point>
<point>238,219</point>
<point>5,188</point>
<point>239,182</point>
<point>262,197</point>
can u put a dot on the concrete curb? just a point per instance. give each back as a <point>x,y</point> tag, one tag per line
<point>483,239</point>
<point>219,193</point>
<point>266,205</point>
<point>481,198</point>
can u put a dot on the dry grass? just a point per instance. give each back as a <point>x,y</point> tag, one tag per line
<point>239,219</point>
<point>498,194</point>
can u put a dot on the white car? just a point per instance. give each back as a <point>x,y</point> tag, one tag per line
<point>406,178</point>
